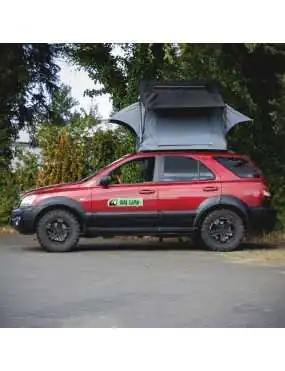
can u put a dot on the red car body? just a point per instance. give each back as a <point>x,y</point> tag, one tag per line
<point>163,206</point>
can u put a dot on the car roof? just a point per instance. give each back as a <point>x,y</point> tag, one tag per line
<point>192,152</point>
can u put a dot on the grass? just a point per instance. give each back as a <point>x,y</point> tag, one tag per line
<point>7,229</point>
<point>268,248</point>
<point>276,237</point>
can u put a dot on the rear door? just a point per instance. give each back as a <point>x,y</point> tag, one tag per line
<point>184,183</point>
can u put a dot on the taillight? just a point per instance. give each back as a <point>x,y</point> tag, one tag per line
<point>266,197</point>
<point>266,193</point>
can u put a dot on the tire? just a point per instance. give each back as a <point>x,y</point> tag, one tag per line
<point>197,240</point>
<point>222,230</point>
<point>50,222</point>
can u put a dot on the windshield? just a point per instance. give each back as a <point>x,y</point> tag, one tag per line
<point>88,177</point>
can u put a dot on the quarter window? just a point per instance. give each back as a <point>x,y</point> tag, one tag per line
<point>239,166</point>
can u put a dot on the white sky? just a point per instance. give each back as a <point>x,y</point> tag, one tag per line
<point>79,81</point>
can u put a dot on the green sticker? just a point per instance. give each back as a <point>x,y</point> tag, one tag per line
<point>125,202</point>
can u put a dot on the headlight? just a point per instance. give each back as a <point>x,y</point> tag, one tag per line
<point>28,200</point>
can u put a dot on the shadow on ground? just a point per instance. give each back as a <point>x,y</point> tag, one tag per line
<point>150,245</point>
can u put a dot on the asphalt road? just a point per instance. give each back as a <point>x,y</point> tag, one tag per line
<point>113,283</point>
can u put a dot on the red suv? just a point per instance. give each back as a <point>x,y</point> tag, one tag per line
<point>216,197</point>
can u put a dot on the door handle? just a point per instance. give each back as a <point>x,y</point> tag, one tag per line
<point>210,189</point>
<point>146,191</point>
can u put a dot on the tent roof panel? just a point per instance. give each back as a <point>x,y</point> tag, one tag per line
<point>184,95</point>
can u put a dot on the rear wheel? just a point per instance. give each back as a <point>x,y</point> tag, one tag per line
<point>222,230</point>
<point>58,231</point>
<point>197,240</point>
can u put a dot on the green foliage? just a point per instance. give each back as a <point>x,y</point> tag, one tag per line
<point>26,170</point>
<point>9,194</point>
<point>68,153</point>
<point>128,173</point>
<point>60,109</point>
<point>132,173</point>
<point>12,183</point>
<point>74,151</point>
<point>251,77</point>
<point>28,76</point>
<point>120,75</point>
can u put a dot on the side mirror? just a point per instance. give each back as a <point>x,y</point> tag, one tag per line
<point>105,181</point>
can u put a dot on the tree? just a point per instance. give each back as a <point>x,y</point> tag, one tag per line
<point>60,108</point>
<point>120,74</point>
<point>251,77</point>
<point>74,151</point>
<point>28,76</point>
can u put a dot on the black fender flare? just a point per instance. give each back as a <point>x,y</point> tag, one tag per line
<point>218,202</point>
<point>60,201</point>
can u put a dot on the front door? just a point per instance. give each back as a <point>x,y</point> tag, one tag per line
<point>130,201</point>
<point>183,184</point>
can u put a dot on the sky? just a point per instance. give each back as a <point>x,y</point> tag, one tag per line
<point>79,81</point>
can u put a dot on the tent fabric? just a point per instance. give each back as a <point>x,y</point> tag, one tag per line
<point>161,131</point>
<point>180,96</point>
<point>179,115</point>
<point>130,117</point>
<point>234,117</point>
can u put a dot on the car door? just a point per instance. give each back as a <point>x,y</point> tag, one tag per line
<point>183,184</point>
<point>130,201</point>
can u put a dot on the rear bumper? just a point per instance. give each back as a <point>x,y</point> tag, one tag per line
<point>22,220</point>
<point>262,219</point>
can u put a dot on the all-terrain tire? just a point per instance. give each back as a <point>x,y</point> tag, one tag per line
<point>197,240</point>
<point>237,229</point>
<point>54,246</point>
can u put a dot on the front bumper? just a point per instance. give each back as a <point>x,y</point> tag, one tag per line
<point>262,219</point>
<point>22,220</point>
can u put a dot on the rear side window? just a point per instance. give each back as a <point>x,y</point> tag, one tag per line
<point>239,166</point>
<point>178,168</point>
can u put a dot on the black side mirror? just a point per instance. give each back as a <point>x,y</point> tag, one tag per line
<point>105,181</point>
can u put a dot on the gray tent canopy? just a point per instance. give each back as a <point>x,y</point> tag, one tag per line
<point>179,116</point>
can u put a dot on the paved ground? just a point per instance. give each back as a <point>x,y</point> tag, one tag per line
<point>112,283</point>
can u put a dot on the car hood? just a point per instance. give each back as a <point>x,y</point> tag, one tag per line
<point>51,188</point>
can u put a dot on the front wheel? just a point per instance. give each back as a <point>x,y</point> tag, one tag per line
<point>222,230</point>
<point>58,231</point>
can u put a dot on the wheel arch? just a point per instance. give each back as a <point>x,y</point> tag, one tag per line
<point>62,203</point>
<point>223,202</point>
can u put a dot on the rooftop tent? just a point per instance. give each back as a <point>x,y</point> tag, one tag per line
<point>179,116</point>
<point>179,96</point>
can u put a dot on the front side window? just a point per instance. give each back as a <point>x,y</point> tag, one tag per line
<point>178,168</point>
<point>135,171</point>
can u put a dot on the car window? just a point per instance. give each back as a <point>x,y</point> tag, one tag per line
<point>135,171</point>
<point>178,168</point>
<point>239,166</point>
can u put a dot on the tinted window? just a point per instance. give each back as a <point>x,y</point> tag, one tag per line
<point>136,171</point>
<point>239,166</point>
<point>184,168</point>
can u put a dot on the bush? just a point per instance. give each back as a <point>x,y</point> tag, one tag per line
<point>27,167</point>
<point>68,153</point>
<point>9,195</point>
<point>72,152</point>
